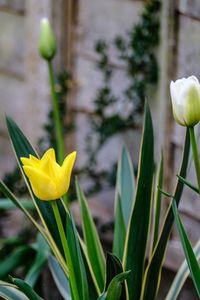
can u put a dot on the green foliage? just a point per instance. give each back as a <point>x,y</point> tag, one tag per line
<point>83,270</point>
<point>137,233</point>
<point>189,254</point>
<point>137,53</point>
<point>181,276</point>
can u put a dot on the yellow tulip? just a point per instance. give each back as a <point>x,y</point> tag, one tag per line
<point>49,180</point>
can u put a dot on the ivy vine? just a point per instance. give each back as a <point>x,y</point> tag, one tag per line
<point>137,51</point>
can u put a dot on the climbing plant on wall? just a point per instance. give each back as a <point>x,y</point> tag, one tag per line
<point>137,51</point>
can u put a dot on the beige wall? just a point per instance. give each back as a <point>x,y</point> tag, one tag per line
<point>24,93</point>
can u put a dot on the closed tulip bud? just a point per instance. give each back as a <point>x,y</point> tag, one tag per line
<point>47,41</point>
<point>49,180</point>
<point>185,94</point>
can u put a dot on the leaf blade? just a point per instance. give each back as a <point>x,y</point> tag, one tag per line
<point>91,238</point>
<point>181,276</point>
<point>189,254</point>
<point>136,239</point>
<point>153,270</point>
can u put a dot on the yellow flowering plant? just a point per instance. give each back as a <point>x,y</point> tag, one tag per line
<point>78,263</point>
<point>49,180</point>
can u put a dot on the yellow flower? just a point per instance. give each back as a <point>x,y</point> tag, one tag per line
<point>49,180</point>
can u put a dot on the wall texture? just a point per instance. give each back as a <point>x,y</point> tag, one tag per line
<point>23,76</point>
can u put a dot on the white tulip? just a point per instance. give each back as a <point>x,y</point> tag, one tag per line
<point>185,94</point>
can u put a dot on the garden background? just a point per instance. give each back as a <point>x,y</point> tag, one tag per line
<point>79,24</point>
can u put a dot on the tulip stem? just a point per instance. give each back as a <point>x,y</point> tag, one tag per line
<point>57,119</point>
<point>195,154</point>
<point>60,228</point>
<point>56,115</point>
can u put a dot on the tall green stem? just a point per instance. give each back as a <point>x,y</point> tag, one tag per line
<point>195,154</point>
<point>57,120</point>
<point>60,228</point>
<point>56,115</point>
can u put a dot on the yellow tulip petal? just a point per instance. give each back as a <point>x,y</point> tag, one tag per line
<point>49,180</point>
<point>50,167</point>
<point>26,161</point>
<point>66,171</point>
<point>31,161</point>
<point>49,154</point>
<point>42,185</point>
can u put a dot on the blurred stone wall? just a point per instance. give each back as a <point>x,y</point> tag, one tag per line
<point>101,20</point>
<point>24,93</point>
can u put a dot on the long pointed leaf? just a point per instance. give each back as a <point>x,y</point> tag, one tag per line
<point>113,268</point>
<point>7,204</point>
<point>153,270</point>
<point>91,238</point>
<point>157,202</point>
<point>189,254</point>
<point>181,276</point>
<point>119,229</point>
<point>77,272</point>
<point>26,289</point>
<point>189,184</point>
<point>23,148</point>
<point>39,262</point>
<point>136,239</point>
<point>60,278</point>
<point>125,184</point>
<point>15,259</point>
<point>115,287</point>
<point>10,292</point>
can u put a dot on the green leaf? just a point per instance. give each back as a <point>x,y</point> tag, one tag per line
<point>189,184</point>
<point>181,276</point>
<point>189,254</point>
<point>154,267</point>
<point>136,239</point>
<point>119,229</point>
<point>23,148</point>
<point>103,296</point>
<point>60,278</point>
<point>7,204</point>
<point>39,262</point>
<point>26,289</point>
<point>77,272</point>
<point>91,238</point>
<point>124,197</point>
<point>10,292</point>
<point>157,202</point>
<point>125,184</point>
<point>115,287</point>
<point>113,268</point>
<point>15,259</point>
<point>7,193</point>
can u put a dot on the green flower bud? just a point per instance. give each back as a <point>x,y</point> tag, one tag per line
<point>185,94</point>
<point>47,41</point>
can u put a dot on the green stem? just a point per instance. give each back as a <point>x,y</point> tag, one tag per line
<point>195,154</point>
<point>71,269</point>
<point>60,227</point>
<point>57,120</point>
<point>56,115</point>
